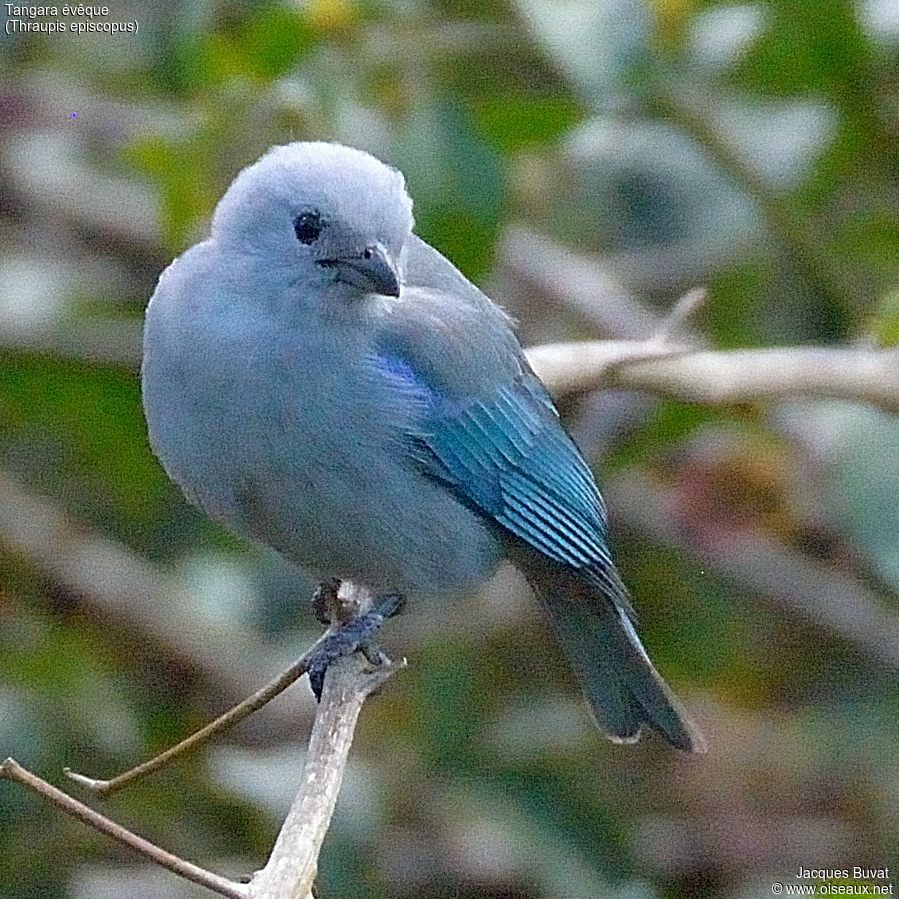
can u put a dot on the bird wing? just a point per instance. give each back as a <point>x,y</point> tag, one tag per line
<point>489,430</point>
<point>509,456</point>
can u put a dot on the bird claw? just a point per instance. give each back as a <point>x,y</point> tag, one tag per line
<point>324,599</point>
<point>355,635</point>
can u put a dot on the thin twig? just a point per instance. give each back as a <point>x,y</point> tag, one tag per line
<point>680,313</point>
<point>348,681</point>
<point>221,724</point>
<point>12,770</point>
<point>562,373</point>
<point>351,603</point>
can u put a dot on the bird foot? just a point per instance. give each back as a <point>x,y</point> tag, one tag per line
<point>347,636</point>
<point>325,600</point>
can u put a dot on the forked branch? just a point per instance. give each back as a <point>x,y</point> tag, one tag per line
<point>348,681</point>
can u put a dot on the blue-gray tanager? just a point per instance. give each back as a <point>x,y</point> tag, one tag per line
<point>318,378</point>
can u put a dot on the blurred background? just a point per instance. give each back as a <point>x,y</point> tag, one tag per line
<point>586,162</point>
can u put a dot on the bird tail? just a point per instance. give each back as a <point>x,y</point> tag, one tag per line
<point>623,688</point>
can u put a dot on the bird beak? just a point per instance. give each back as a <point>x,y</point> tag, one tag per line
<point>373,271</point>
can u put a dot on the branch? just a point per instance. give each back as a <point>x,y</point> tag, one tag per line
<point>12,770</point>
<point>869,375</point>
<point>348,682</point>
<point>204,735</point>
<point>710,377</point>
<point>341,603</point>
<point>292,866</point>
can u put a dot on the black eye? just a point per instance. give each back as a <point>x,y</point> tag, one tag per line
<point>307,226</point>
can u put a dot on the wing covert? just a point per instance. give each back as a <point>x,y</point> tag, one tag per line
<point>509,457</point>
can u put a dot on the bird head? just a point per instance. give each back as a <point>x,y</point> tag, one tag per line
<point>329,215</point>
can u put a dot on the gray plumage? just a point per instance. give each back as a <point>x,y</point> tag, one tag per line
<point>318,378</point>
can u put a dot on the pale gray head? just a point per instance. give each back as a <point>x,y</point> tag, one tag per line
<point>325,213</point>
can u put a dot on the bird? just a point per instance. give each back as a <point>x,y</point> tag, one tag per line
<point>319,379</point>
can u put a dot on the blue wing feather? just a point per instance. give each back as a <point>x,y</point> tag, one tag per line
<point>488,428</point>
<point>509,456</point>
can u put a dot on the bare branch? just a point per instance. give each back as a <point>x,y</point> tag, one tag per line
<point>710,377</point>
<point>680,314</point>
<point>864,374</point>
<point>206,734</point>
<point>348,681</point>
<point>345,602</point>
<point>12,770</point>
<point>292,866</point>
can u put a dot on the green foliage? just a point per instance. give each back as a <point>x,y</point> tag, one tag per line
<point>516,122</point>
<point>459,214</point>
<point>260,48</point>
<point>886,321</point>
<point>172,166</point>
<point>82,425</point>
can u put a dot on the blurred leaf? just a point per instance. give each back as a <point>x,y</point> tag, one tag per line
<point>457,182</point>
<point>807,47</point>
<point>868,241</point>
<point>262,47</point>
<point>721,35</point>
<point>885,326</point>
<point>273,41</point>
<point>82,427</point>
<point>180,170</point>
<point>672,21</point>
<point>516,122</point>
<point>595,43</point>
<point>331,16</point>
<point>649,185</point>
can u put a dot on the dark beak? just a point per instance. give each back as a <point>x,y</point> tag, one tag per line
<point>372,271</point>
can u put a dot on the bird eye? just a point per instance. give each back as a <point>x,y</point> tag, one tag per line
<point>307,226</point>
